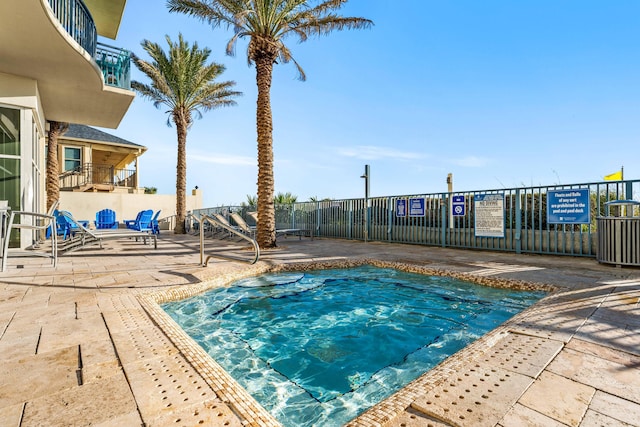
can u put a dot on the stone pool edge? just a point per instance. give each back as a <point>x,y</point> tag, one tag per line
<point>250,411</point>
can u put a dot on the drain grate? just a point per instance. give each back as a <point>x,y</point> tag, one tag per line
<point>475,396</point>
<point>209,413</point>
<point>524,354</point>
<point>164,385</point>
<point>141,344</point>
<point>549,325</point>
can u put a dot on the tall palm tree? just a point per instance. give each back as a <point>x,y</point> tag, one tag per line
<point>56,130</point>
<point>183,82</point>
<point>267,23</point>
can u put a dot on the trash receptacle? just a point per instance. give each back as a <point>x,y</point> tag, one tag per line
<point>619,235</point>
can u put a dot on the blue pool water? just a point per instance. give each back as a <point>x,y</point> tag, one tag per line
<point>319,348</point>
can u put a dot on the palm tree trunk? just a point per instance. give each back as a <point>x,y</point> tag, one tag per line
<point>56,130</point>
<point>181,121</point>
<point>266,229</point>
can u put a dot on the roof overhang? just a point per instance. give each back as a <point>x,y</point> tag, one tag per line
<point>107,15</point>
<point>70,83</point>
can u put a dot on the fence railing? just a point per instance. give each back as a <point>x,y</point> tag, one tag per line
<point>522,219</point>
<point>90,173</point>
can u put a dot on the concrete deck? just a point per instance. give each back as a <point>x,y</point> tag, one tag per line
<point>86,344</point>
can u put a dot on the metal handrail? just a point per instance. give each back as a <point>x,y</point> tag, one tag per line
<point>215,222</point>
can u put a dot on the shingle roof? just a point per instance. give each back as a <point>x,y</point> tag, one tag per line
<point>90,134</point>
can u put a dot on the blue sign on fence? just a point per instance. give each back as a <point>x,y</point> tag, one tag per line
<point>568,206</point>
<point>401,208</point>
<point>416,207</point>
<point>457,205</point>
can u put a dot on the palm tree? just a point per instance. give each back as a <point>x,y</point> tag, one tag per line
<point>285,199</point>
<point>56,130</point>
<point>267,23</point>
<point>252,202</point>
<point>185,84</point>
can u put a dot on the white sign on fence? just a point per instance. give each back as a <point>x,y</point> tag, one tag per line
<point>489,215</point>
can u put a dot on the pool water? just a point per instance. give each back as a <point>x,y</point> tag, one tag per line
<point>319,348</point>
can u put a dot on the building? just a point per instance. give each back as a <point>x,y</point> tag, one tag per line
<point>96,161</point>
<point>52,68</point>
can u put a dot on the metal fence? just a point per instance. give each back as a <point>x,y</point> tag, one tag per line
<point>525,224</point>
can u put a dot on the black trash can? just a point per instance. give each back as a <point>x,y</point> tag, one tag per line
<point>619,235</point>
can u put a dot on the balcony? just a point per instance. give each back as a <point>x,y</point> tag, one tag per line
<point>95,177</point>
<point>115,64</point>
<point>77,21</point>
<point>53,44</point>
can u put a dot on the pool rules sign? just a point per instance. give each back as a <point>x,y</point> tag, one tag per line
<point>489,215</point>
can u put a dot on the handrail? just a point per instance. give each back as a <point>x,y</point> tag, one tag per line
<point>214,221</point>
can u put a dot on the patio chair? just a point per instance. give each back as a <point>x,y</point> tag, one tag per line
<point>254,216</point>
<point>38,223</point>
<point>106,219</point>
<point>225,222</point>
<point>283,231</point>
<point>84,237</point>
<point>155,227</point>
<point>64,227</point>
<point>242,224</point>
<point>142,221</point>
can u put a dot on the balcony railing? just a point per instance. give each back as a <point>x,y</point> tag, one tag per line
<point>93,175</point>
<point>114,62</point>
<point>76,19</point>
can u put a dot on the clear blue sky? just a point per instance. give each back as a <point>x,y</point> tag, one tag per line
<point>500,93</point>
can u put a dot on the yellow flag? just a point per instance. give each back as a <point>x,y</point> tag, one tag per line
<point>614,176</point>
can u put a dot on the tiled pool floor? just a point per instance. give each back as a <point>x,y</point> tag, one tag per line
<point>86,344</point>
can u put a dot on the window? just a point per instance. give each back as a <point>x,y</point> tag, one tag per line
<point>9,131</point>
<point>72,158</point>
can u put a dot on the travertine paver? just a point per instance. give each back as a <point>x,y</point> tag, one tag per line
<point>82,372</point>
<point>413,418</point>
<point>598,373</point>
<point>47,372</point>
<point>521,416</point>
<point>71,407</point>
<point>558,398</point>
<point>524,354</point>
<point>595,419</point>
<point>475,396</point>
<point>11,414</point>
<point>615,407</point>
<point>19,341</point>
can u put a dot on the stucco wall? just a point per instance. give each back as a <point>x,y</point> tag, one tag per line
<point>83,206</point>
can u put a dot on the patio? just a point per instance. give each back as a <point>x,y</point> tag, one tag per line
<point>85,343</point>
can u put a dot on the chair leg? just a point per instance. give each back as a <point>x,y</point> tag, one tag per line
<point>7,237</point>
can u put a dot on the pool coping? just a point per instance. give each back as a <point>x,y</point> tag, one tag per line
<point>251,412</point>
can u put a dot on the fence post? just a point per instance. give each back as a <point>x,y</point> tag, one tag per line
<point>518,230</point>
<point>443,223</point>
<point>390,210</point>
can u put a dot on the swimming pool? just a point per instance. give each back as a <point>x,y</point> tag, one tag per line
<point>320,347</point>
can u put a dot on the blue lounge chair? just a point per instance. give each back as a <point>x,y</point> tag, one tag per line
<point>106,219</point>
<point>155,227</point>
<point>84,237</point>
<point>142,221</point>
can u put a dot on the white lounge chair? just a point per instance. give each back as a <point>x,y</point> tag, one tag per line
<point>38,223</point>
<point>279,232</point>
